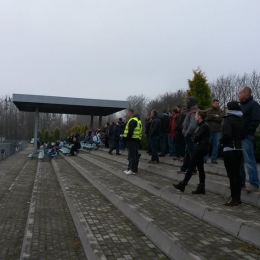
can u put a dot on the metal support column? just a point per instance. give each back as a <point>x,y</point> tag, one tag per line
<point>100,121</point>
<point>36,128</point>
<point>91,122</point>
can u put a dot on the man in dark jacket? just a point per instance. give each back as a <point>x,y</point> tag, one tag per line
<point>115,139</point>
<point>165,122</point>
<point>154,136</point>
<point>214,119</point>
<point>251,116</point>
<point>180,142</point>
<point>188,129</point>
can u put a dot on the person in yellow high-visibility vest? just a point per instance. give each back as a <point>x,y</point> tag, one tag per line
<point>132,135</point>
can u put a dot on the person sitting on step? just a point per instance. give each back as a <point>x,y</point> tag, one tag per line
<point>76,146</point>
<point>201,139</point>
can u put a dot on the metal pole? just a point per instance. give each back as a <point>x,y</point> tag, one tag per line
<point>91,122</point>
<point>36,128</point>
<point>100,121</point>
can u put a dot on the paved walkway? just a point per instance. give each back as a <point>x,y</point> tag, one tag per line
<point>194,234</point>
<point>85,207</point>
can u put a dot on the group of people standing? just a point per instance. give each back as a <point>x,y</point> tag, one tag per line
<point>186,132</point>
<point>237,139</point>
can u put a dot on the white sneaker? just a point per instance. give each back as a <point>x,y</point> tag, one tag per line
<point>126,171</point>
<point>129,172</point>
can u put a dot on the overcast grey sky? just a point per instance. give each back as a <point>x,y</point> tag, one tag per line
<point>112,49</point>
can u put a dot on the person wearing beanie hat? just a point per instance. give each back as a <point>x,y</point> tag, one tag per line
<point>201,148</point>
<point>232,135</point>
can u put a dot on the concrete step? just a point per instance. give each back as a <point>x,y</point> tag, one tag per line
<point>50,232</point>
<point>14,207</point>
<point>176,233</point>
<point>242,222</point>
<point>104,231</point>
<point>214,183</point>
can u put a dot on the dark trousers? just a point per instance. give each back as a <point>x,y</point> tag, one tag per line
<point>114,146</point>
<point>232,161</point>
<point>180,146</point>
<point>189,151</point>
<point>133,156</point>
<point>164,144</point>
<point>196,160</point>
<point>73,149</point>
<point>154,142</point>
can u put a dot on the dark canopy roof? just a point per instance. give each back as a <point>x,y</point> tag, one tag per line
<point>66,105</point>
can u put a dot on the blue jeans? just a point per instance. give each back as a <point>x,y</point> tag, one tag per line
<point>215,139</point>
<point>172,145</point>
<point>155,142</point>
<point>249,162</point>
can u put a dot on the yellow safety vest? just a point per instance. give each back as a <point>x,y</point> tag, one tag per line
<point>137,131</point>
<point>141,130</point>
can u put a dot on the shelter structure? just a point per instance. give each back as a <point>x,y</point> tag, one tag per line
<point>66,105</point>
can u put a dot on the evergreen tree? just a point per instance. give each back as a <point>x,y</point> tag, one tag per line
<point>199,88</point>
<point>56,134</point>
<point>46,136</point>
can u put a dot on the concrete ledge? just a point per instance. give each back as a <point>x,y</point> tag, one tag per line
<point>154,232</point>
<point>250,232</point>
<point>227,223</point>
<point>90,245</point>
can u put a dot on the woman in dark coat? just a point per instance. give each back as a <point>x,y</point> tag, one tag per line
<point>201,140</point>
<point>233,132</point>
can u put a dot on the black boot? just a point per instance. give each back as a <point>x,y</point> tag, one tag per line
<point>200,189</point>
<point>180,186</point>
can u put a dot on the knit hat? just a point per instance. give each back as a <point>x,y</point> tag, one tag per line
<point>233,105</point>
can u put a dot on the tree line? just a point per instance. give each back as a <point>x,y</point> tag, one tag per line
<point>16,125</point>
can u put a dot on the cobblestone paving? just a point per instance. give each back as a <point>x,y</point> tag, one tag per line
<point>54,233</point>
<point>204,239</point>
<point>14,207</point>
<point>244,211</point>
<point>9,170</point>
<point>116,235</point>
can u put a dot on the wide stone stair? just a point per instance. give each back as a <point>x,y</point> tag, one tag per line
<point>85,207</point>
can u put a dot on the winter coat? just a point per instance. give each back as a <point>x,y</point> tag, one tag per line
<point>201,136</point>
<point>172,125</point>
<point>189,124</point>
<point>214,121</point>
<point>116,132</point>
<point>178,124</point>
<point>155,128</point>
<point>165,121</point>
<point>251,115</point>
<point>233,130</point>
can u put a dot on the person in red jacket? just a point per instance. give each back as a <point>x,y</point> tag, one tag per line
<point>171,136</point>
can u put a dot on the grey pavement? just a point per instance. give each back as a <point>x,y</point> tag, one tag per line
<point>118,238</point>
<point>167,222</point>
<point>50,232</point>
<point>209,207</point>
<point>14,206</point>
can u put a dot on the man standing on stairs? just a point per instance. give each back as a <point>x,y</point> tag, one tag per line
<point>251,115</point>
<point>214,119</point>
<point>188,129</point>
<point>132,135</point>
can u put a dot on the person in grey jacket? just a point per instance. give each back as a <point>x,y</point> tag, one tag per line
<point>188,129</point>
